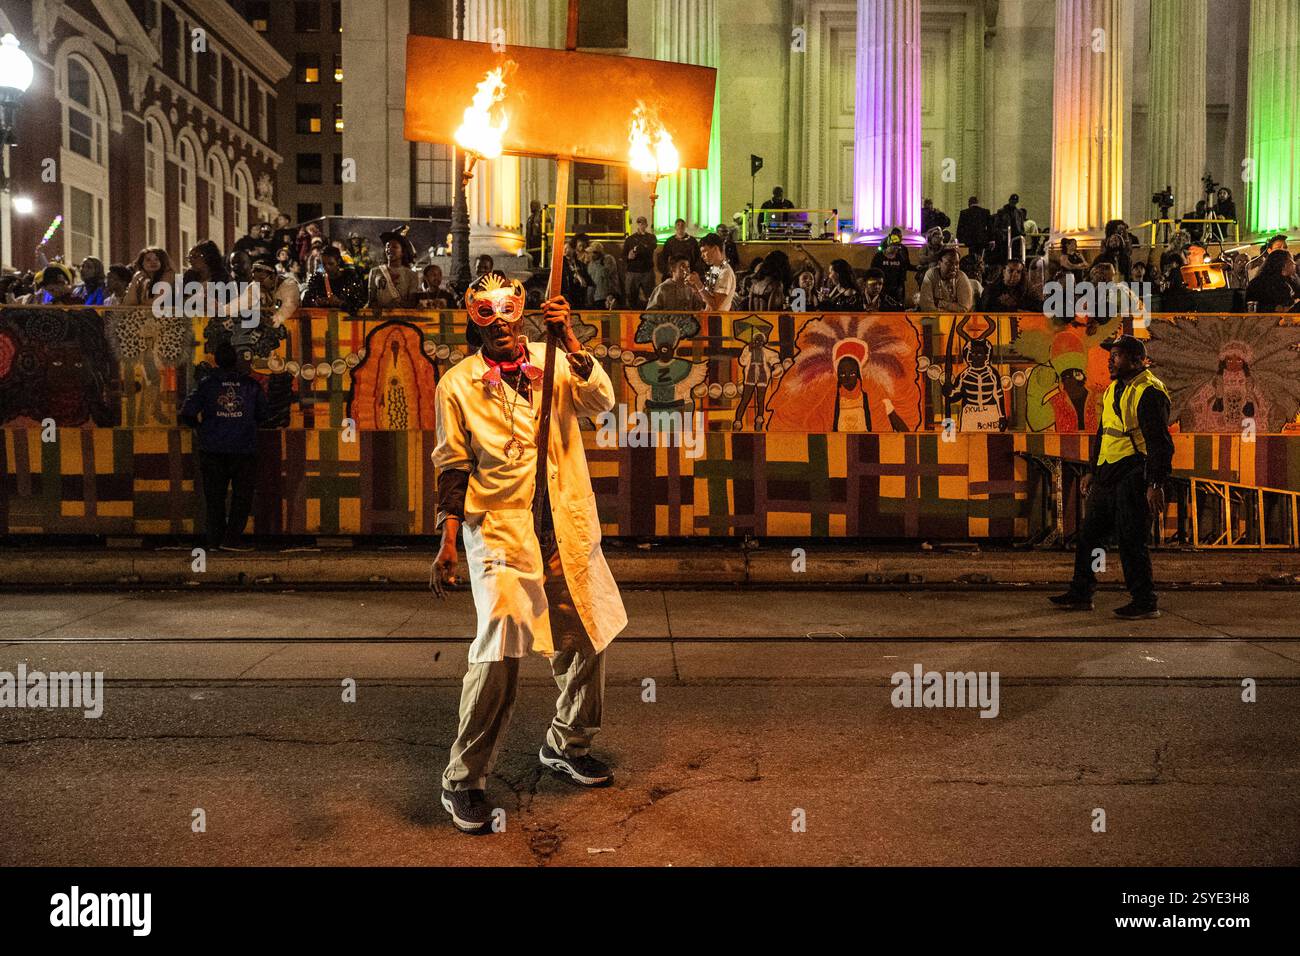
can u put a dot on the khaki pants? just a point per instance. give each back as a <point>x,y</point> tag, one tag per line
<point>487,696</point>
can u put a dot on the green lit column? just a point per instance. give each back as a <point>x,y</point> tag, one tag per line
<point>1272,167</point>
<point>686,31</point>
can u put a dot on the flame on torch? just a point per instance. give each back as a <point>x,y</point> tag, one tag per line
<point>477,132</point>
<point>651,150</point>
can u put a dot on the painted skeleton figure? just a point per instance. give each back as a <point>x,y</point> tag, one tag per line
<point>979,389</point>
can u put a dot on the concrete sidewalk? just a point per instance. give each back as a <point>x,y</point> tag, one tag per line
<point>705,564</point>
<point>671,635</point>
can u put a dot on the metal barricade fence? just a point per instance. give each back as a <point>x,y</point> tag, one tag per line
<point>613,221</point>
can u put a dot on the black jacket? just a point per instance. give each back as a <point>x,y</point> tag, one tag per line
<point>934,217</point>
<point>974,228</point>
<point>1269,293</point>
<point>687,246</point>
<point>895,271</point>
<point>350,288</point>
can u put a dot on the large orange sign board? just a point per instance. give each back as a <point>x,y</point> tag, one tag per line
<point>559,102</point>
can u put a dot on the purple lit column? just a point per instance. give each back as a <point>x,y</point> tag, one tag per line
<point>887,119</point>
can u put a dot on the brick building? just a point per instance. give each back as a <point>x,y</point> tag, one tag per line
<point>159,117</point>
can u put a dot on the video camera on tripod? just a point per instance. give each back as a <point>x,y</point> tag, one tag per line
<point>1211,190</point>
<point>1165,200</point>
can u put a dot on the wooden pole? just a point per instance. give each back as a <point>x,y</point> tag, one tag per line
<point>553,288</point>
<point>571,35</point>
<point>555,284</point>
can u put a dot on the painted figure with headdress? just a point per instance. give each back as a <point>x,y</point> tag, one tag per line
<point>851,373</point>
<point>760,365</point>
<point>1222,372</point>
<point>663,382</point>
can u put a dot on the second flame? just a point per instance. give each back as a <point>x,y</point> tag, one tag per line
<point>651,150</point>
<point>478,132</point>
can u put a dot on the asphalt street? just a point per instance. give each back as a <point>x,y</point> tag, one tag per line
<point>744,727</point>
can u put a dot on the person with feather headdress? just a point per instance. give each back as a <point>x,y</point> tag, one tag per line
<point>851,373</point>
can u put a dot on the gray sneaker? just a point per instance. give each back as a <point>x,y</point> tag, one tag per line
<point>586,770</point>
<point>469,809</point>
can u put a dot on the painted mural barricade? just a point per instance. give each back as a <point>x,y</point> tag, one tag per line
<point>789,372</point>
<point>889,426</point>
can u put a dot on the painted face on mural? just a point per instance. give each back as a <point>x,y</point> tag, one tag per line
<point>665,339</point>
<point>849,375</point>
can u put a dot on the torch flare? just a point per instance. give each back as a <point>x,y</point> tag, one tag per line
<point>651,151</point>
<point>484,123</point>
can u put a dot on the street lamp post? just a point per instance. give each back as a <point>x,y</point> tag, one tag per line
<point>460,274</point>
<point>15,76</point>
<point>652,180</point>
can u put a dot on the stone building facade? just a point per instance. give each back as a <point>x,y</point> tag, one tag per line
<point>1082,107</point>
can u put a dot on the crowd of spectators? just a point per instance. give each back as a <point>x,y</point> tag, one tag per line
<point>995,261</point>
<point>282,266</point>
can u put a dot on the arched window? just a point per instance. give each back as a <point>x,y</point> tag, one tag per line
<point>243,194</point>
<point>155,184</point>
<point>187,160</point>
<point>85,113</point>
<point>84,166</point>
<point>216,202</point>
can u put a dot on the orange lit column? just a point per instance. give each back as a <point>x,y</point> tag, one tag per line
<point>495,218</point>
<point>1177,113</point>
<point>1088,116</point>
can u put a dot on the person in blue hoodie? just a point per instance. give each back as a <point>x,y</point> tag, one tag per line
<point>226,408</point>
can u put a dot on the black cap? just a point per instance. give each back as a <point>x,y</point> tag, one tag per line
<point>1127,343</point>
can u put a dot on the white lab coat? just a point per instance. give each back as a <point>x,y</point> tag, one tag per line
<point>505,561</point>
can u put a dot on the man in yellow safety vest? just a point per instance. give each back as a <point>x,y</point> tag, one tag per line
<point>1126,488</point>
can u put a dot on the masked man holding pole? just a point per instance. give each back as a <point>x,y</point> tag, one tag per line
<point>539,578</point>
<point>1125,492</point>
